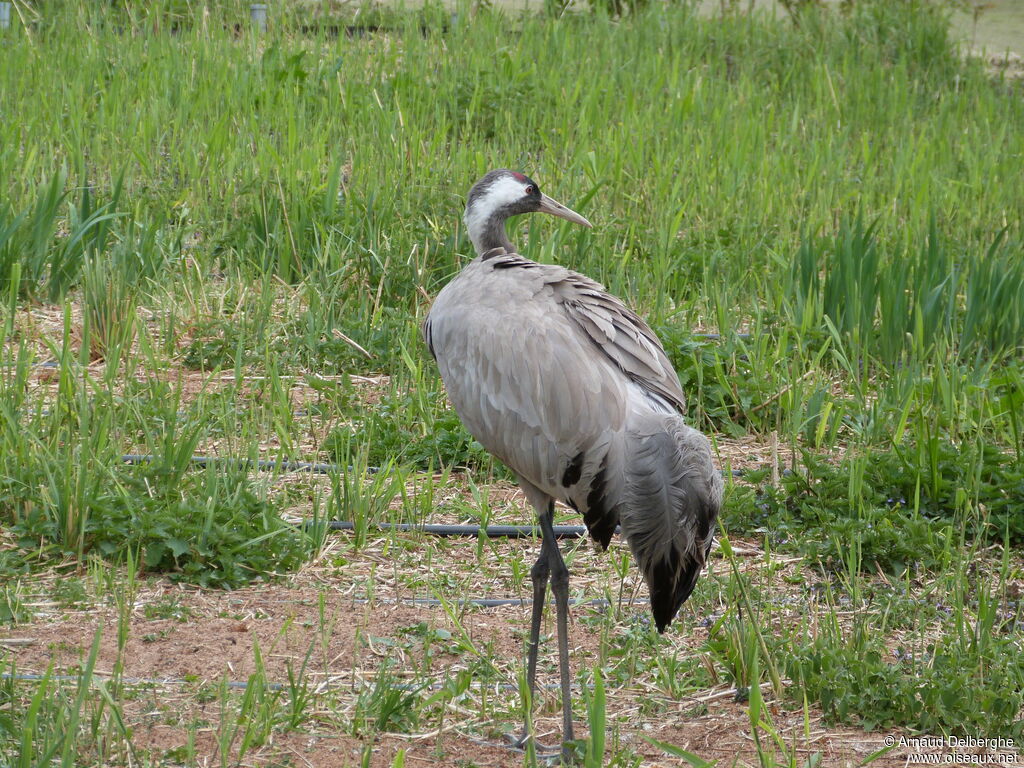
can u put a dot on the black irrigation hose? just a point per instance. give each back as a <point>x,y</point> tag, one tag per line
<point>272,465</point>
<point>434,529</point>
<point>718,336</point>
<point>488,602</point>
<point>125,680</point>
<point>491,531</point>
<point>429,601</point>
<point>698,336</point>
<point>261,465</point>
<point>238,685</point>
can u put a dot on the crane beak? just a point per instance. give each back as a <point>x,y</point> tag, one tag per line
<point>547,205</point>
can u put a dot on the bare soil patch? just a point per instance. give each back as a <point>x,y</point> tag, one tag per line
<point>185,642</point>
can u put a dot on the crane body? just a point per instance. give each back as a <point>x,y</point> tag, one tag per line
<point>575,394</point>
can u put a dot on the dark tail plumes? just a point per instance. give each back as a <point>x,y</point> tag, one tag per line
<point>669,504</point>
<point>672,579</point>
<point>600,516</point>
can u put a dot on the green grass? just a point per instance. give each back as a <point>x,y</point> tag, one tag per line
<point>225,244</point>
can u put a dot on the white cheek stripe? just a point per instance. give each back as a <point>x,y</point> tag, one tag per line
<point>504,191</point>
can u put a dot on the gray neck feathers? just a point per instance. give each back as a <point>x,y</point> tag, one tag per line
<point>490,233</point>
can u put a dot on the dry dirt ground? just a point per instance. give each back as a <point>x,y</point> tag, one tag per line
<point>187,641</point>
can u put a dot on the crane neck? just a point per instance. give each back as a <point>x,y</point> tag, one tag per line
<point>488,233</point>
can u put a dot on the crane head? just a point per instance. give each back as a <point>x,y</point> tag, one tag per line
<point>501,194</point>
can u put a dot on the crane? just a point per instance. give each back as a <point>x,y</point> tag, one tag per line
<point>574,393</point>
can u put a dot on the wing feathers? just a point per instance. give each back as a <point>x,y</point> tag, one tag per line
<point>620,335</point>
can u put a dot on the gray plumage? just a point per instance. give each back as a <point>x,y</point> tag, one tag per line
<point>574,392</point>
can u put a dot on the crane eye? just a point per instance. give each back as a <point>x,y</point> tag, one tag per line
<point>530,189</point>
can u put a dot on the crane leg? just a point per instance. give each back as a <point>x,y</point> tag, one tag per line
<point>550,566</point>
<point>560,589</point>
<point>539,573</point>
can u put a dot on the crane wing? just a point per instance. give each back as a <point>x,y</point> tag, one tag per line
<point>537,362</point>
<point>524,382</point>
<point>621,335</point>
